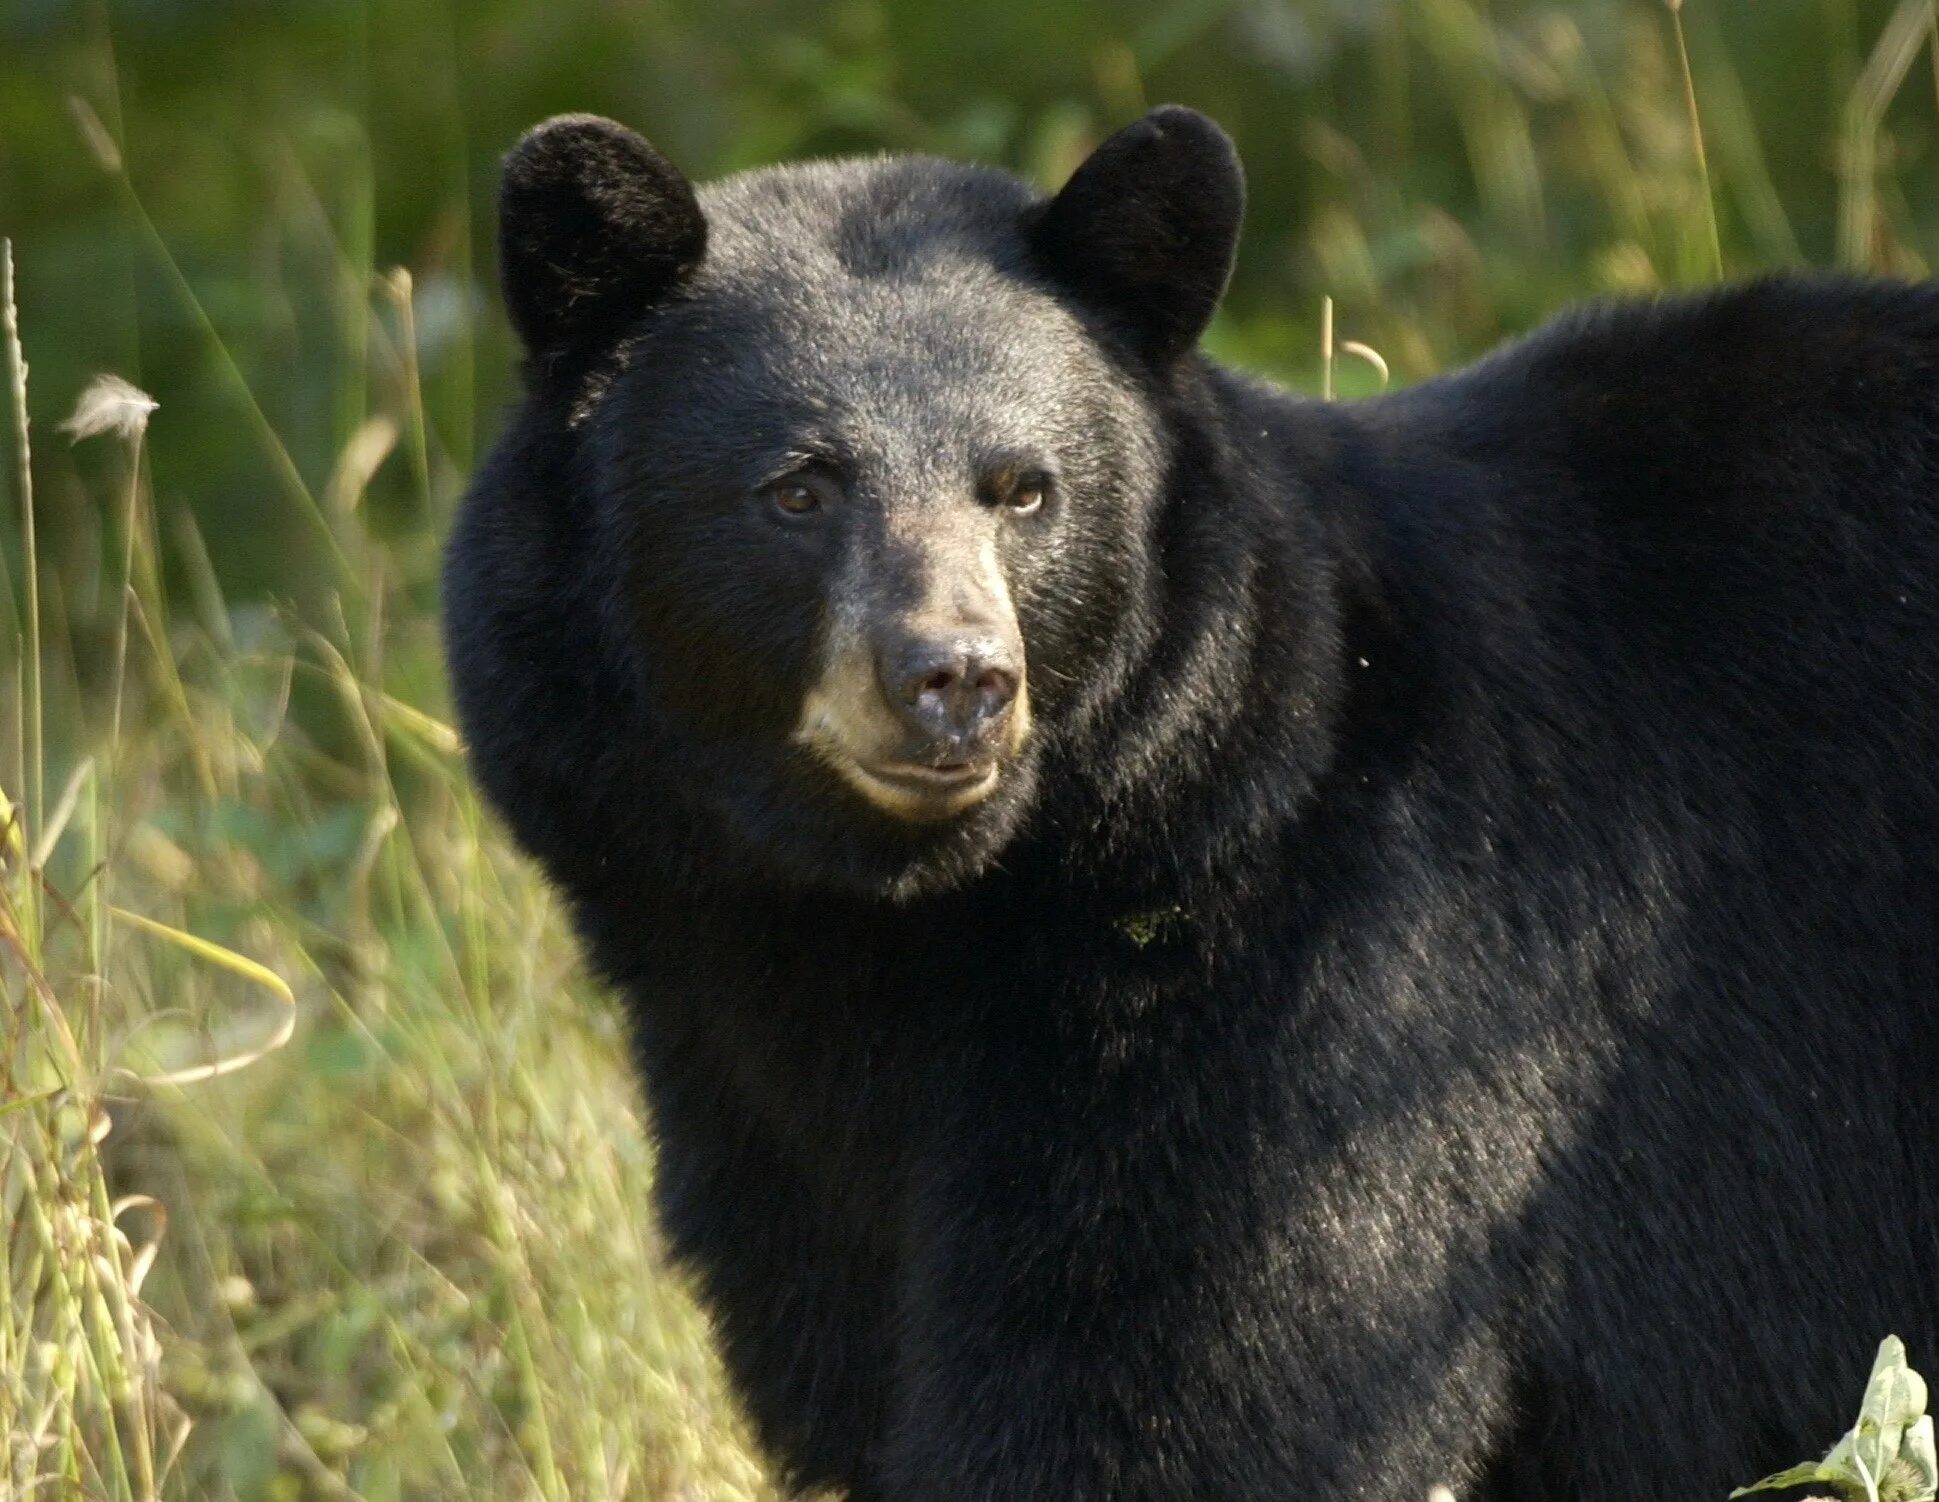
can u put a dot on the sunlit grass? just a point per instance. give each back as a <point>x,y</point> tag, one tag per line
<point>321,1167</point>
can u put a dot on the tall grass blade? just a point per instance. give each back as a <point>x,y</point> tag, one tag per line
<point>1696,139</point>
<point>237,964</point>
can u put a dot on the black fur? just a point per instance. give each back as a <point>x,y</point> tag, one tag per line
<point>597,227</point>
<point>1451,992</point>
<point>1148,226</point>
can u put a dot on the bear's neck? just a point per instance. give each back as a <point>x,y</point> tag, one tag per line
<point>1257,693</point>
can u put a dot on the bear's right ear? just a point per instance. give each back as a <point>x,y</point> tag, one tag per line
<point>1146,229</point>
<point>594,227</point>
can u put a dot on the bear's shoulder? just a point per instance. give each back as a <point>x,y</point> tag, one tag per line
<point>1784,400</point>
<point>1794,344</point>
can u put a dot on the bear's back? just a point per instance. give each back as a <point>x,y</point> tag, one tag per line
<point>1729,503</point>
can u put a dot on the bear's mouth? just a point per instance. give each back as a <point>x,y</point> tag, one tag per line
<point>847,727</point>
<point>914,790</point>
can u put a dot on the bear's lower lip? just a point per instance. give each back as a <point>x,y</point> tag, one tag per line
<point>955,777</point>
<point>925,794</point>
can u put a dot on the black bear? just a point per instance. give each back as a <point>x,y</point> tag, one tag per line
<point>1186,943</point>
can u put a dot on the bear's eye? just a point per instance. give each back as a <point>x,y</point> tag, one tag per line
<point>795,497</point>
<point>1026,494</point>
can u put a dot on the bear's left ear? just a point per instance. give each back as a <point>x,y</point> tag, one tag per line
<point>1146,228</point>
<point>594,227</point>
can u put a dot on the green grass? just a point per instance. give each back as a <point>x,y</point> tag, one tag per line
<point>403,1254</point>
<point>322,1173</point>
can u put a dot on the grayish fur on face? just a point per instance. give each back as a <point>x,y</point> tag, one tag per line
<point>915,347</point>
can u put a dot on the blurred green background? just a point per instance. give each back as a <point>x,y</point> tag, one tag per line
<point>407,1254</point>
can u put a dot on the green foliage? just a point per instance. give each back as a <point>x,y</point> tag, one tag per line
<point>1144,929</point>
<point>1888,1454</point>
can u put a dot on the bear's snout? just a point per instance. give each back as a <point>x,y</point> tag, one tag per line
<point>921,699</point>
<point>953,692</point>
<point>919,717</point>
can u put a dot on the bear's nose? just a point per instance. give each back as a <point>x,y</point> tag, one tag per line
<point>954,689</point>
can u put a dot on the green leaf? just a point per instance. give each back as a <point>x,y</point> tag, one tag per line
<point>1810,1473</point>
<point>1147,928</point>
<point>1916,1451</point>
<point>1888,1454</point>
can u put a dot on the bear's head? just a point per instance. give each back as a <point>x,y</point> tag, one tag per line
<point>871,459</point>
